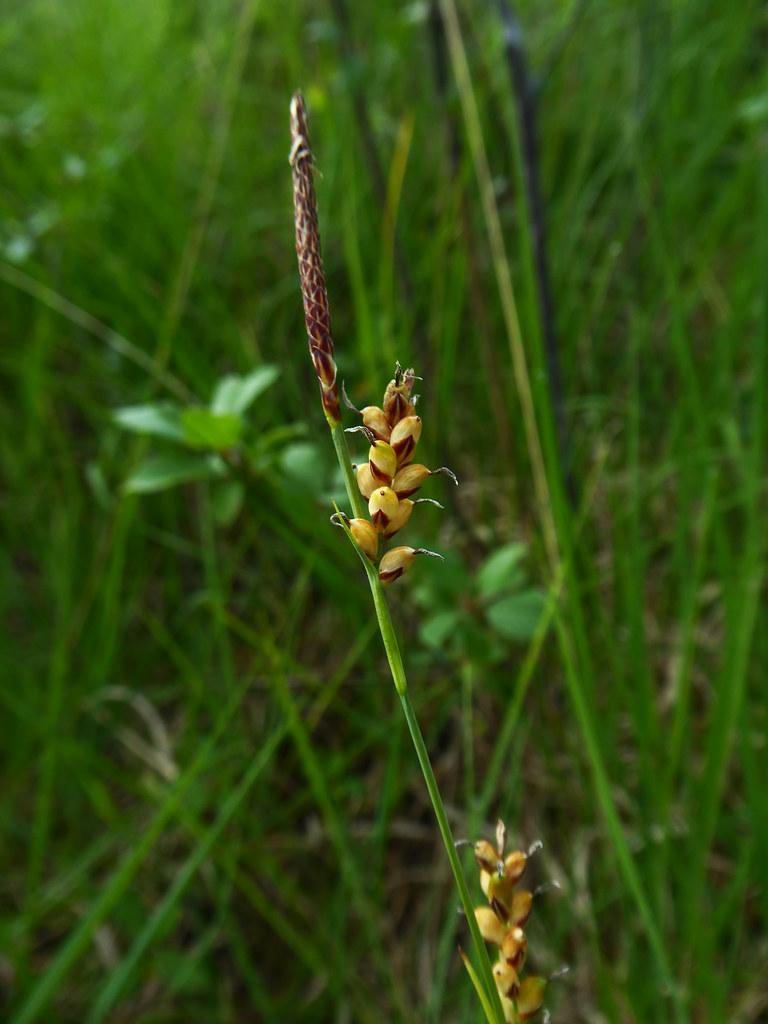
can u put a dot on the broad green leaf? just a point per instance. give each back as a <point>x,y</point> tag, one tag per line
<point>303,463</point>
<point>278,437</point>
<point>235,393</point>
<point>441,584</point>
<point>206,429</point>
<point>501,570</point>
<point>437,629</point>
<point>755,109</point>
<point>159,472</point>
<point>97,481</point>
<point>515,617</point>
<point>475,643</point>
<point>227,501</point>
<point>160,419</point>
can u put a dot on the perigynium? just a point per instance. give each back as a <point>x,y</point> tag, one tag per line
<point>380,496</point>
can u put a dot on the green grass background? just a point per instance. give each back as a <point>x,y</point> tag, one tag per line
<point>210,808</point>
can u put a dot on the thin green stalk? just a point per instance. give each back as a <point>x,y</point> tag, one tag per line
<point>482,995</point>
<point>339,439</point>
<point>318,323</point>
<point>486,971</point>
<point>397,668</point>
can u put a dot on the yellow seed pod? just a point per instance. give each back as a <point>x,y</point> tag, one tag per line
<point>404,438</point>
<point>400,518</point>
<point>510,1010</point>
<point>514,948</point>
<point>522,904</point>
<point>397,561</point>
<point>507,981</point>
<point>366,481</point>
<point>409,479</point>
<point>514,864</point>
<point>376,421</point>
<point>397,398</point>
<point>382,462</point>
<point>394,563</point>
<point>366,538</point>
<point>490,926</point>
<point>382,507</point>
<point>500,895</point>
<point>486,856</point>
<point>530,997</point>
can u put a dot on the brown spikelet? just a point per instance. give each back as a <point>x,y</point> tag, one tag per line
<point>314,293</point>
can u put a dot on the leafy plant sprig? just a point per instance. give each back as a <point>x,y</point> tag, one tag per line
<point>209,442</point>
<point>475,616</point>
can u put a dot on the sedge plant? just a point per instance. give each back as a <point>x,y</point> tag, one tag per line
<point>380,496</point>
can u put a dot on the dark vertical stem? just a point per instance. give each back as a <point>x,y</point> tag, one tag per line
<point>525,105</point>
<point>477,300</point>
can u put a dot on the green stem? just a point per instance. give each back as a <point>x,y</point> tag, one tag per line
<point>339,439</point>
<point>486,970</point>
<point>397,668</point>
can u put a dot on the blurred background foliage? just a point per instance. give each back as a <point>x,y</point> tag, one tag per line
<point>210,810</point>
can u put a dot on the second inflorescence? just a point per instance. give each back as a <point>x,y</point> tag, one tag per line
<point>502,923</point>
<point>390,476</point>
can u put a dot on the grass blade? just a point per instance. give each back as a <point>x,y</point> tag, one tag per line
<point>121,975</point>
<point>80,939</point>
